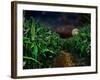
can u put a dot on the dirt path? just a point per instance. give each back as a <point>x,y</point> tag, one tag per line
<point>65,59</point>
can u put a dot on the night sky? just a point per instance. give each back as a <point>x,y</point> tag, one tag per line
<point>55,19</point>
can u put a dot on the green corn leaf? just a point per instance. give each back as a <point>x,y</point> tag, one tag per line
<point>30,58</point>
<point>32,45</point>
<point>35,52</point>
<point>33,31</point>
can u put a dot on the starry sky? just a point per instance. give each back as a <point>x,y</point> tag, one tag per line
<point>54,19</point>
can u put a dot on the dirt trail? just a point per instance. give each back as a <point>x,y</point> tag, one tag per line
<point>65,59</point>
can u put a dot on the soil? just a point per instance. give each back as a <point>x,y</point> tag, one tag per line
<point>65,59</point>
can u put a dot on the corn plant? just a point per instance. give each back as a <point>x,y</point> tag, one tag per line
<point>40,45</point>
<point>80,45</point>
